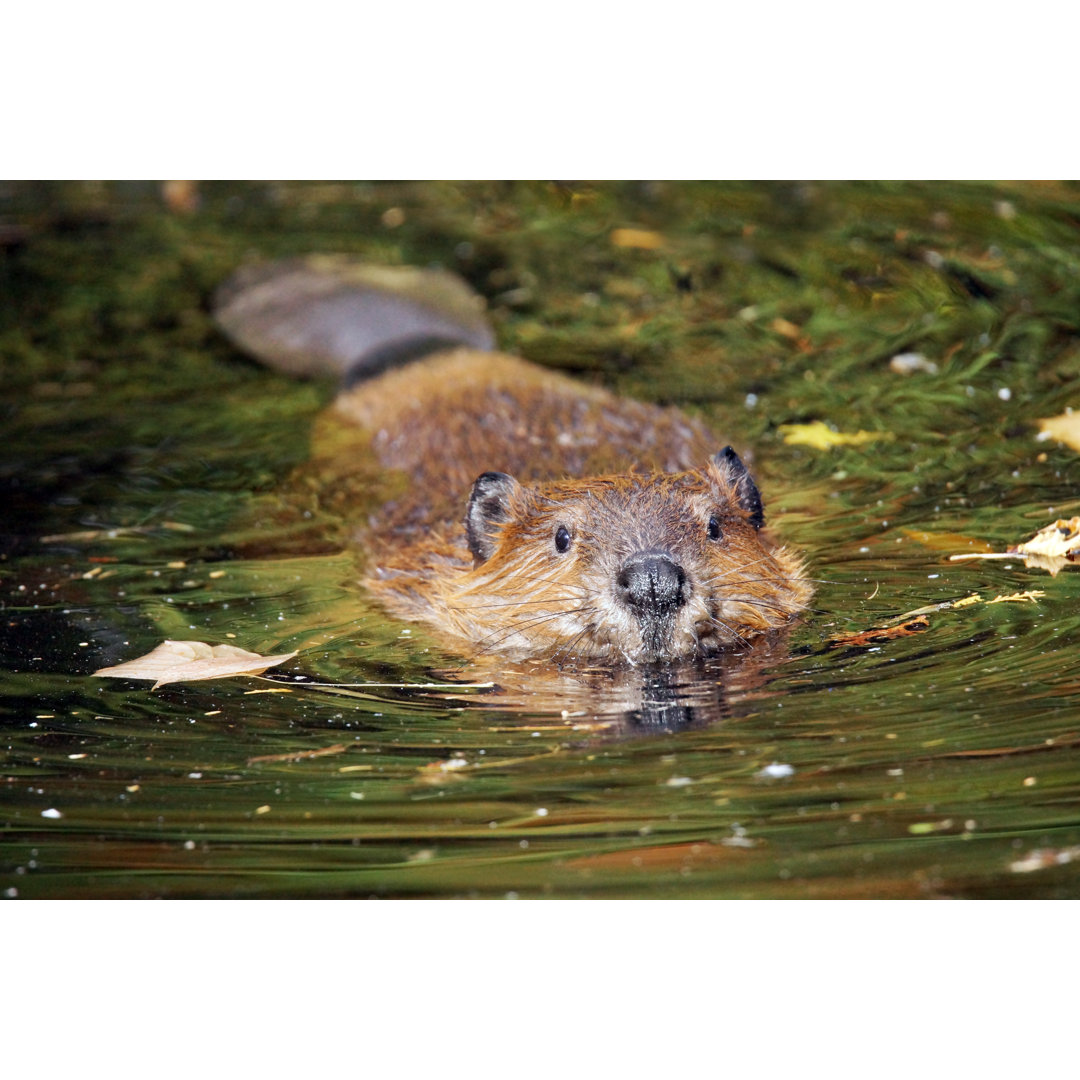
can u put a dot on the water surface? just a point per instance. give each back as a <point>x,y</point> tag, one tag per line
<point>157,485</point>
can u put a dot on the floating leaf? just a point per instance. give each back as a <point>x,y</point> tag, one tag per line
<point>819,435</point>
<point>1064,428</point>
<point>637,238</point>
<point>190,661</point>
<point>1060,540</point>
<point>1051,548</point>
<point>878,634</point>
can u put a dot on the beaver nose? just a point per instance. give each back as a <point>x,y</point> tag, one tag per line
<point>652,581</point>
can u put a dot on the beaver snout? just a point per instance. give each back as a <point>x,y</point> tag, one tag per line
<point>652,582</point>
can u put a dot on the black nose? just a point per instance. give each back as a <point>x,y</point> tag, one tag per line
<point>652,582</point>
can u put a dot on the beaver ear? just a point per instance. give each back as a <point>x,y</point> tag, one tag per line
<point>489,507</point>
<point>735,477</point>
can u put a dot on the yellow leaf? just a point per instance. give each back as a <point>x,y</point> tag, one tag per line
<point>1051,548</point>
<point>189,661</point>
<point>1059,540</point>
<point>785,328</point>
<point>822,437</point>
<point>1064,428</point>
<point>967,601</point>
<point>637,238</point>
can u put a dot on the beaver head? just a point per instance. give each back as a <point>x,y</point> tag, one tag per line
<point>636,567</point>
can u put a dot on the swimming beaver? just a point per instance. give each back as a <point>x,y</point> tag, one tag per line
<point>542,517</point>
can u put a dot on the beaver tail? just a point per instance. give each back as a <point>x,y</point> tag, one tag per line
<point>335,315</point>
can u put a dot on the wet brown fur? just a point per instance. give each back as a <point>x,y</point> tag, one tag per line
<point>619,476</point>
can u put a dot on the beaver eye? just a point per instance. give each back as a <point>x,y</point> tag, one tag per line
<point>562,539</point>
<point>715,532</point>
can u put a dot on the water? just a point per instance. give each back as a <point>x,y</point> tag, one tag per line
<point>175,488</point>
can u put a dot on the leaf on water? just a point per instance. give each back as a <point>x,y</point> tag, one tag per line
<point>1060,540</point>
<point>1064,428</point>
<point>819,435</point>
<point>1051,549</point>
<point>637,238</point>
<point>876,635</point>
<point>190,661</point>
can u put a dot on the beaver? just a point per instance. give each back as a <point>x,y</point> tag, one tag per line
<point>540,517</point>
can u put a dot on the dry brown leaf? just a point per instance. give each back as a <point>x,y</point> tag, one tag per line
<point>1051,549</point>
<point>878,634</point>
<point>190,661</point>
<point>1060,540</point>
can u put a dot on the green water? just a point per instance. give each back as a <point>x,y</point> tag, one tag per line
<point>156,484</point>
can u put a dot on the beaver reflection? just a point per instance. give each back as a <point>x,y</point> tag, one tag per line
<point>654,698</point>
<point>663,706</point>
